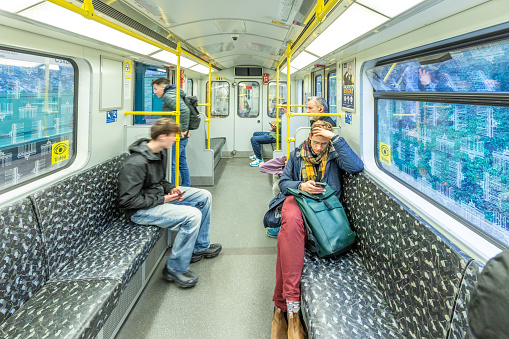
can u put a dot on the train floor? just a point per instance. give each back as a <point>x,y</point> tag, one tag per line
<point>233,297</point>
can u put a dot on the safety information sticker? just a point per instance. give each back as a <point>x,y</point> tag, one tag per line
<point>385,153</point>
<point>59,151</point>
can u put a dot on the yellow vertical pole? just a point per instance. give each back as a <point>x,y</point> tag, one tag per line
<point>277,108</point>
<point>288,55</point>
<point>177,138</point>
<point>209,107</point>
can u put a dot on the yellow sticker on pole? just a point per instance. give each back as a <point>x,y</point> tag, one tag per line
<point>385,153</point>
<point>59,151</point>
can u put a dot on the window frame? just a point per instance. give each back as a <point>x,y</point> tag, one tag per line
<point>74,117</point>
<point>268,96</point>
<point>211,98</point>
<point>500,99</point>
<point>328,89</point>
<point>192,85</point>
<point>316,83</point>
<point>259,99</point>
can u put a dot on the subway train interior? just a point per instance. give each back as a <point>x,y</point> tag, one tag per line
<point>418,89</point>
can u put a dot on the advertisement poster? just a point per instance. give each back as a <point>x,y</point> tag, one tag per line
<point>348,86</point>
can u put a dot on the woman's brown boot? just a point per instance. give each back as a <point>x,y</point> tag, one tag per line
<point>295,329</point>
<point>279,326</point>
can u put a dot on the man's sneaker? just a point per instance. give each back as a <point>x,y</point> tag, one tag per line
<point>210,252</point>
<point>255,163</point>
<point>184,280</point>
<point>253,157</point>
<point>273,232</point>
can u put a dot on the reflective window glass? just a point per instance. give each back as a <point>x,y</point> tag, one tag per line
<point>37,116</point>
<point>456,154</point>
<point>189,87</point>
<point>300,95</point>
<point>150,101</point>
<point>332,92</point>
<point>271,110</point>
<point>318,86</point>
<point>248,99</point>
<point>220,98</point>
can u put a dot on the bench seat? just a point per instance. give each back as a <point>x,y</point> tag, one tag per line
<point>64,309</point>
<point>341,301</point>
<point>122,248</point>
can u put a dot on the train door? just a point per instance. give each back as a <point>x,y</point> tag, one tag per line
<point>318,82</point>
<point>222,124</point>
<point>332,88</point>
<point>247,113</point>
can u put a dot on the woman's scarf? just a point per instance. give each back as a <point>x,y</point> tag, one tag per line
<point>308,169</point>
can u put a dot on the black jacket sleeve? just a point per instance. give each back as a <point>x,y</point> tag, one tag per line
<point>130,188</point>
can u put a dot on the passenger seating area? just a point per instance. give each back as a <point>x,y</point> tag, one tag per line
<point>72,265</point>
<point>403,279</point>
<point>216,144</point>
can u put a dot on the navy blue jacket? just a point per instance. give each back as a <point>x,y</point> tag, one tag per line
<point>341,158</point>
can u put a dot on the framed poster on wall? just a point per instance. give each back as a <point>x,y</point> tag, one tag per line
<point>348,86</point>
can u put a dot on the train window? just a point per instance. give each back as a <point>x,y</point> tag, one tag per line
<point>248,99</point>
<point>452,146</point>
<point>37,114</point>
<point>332,92</point>
<point>318,86</point>
<point>144,97</point>
<point>271,110</point>
<point>300,95</point>
<point>220,98</point>
<point>189,87</point>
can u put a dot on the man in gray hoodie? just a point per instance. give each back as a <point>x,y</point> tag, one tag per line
<point>163,89</point>
<point>148,199</point>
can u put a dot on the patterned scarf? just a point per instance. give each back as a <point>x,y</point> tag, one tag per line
<point>308,169</point>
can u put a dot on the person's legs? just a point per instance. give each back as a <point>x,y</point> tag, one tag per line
<point>290,254</point>
<point>183,169</point>
<point>171,216</point>
<point>260,138</point>
<point>202,200</point>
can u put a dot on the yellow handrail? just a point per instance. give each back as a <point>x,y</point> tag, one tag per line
<point>277,108</point>
<point>209,104</point>
<point>149,113</point>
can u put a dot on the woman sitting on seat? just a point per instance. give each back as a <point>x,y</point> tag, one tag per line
<point>320,158</point>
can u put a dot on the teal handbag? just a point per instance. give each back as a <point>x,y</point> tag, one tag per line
<point>325,218</point>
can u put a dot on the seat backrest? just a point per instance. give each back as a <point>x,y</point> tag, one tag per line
<point>77,210</point>
<point>416,268</point>
<point>302,134</point>
<point>22,255</point>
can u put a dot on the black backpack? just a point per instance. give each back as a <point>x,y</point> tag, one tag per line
<point>194,115</point>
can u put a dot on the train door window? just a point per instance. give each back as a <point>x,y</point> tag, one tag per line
<point>37,114</point>
<point>220,98</point>
<point>144,97</point>
<point>332,92</point>
<point>318,86</point>
<point>448,144</point>
<point>248,99</point>
<point>271,110</point>
<point>189,87</point>
<point>300,95</point>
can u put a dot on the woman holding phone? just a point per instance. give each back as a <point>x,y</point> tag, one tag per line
<point>319,160</point>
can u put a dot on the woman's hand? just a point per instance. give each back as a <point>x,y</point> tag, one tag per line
<point>311,187</point>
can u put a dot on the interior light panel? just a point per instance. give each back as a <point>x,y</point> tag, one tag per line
<point>16,6</point>
<point>200,69</point>
<point>350,25</point>
<point>302,60</point>
<point>390,8</point>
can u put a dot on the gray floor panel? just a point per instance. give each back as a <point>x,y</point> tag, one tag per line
<point>233,298</point>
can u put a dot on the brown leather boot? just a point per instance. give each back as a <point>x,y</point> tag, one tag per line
<point>279,326</point>
<point>295,329</point>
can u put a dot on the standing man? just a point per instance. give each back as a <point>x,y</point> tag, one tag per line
<point>319,105</point>
<point>163,89</point>
<point>148,199</point>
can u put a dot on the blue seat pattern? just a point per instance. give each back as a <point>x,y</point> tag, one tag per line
<point>22,256</point>
<point>335,308</point>
<point>64,309</point>
<point>122,248</point>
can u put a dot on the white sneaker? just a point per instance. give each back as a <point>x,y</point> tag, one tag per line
<point>255,163</point>
<point>253,157</point>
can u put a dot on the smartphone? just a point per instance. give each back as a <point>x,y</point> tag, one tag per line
<point>322,184</point>
<point>180,193</point>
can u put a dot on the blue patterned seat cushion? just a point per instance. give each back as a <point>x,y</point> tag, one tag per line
<point>417,270</point>
<point>67,309</point>
<point>118,253</point>
<point>339,300</point>
<point>77,210</point>
<point>23,270</point>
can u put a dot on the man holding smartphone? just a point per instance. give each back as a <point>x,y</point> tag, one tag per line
<point>148,199</point>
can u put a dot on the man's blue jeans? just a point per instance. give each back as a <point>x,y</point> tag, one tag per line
<point>260,138</point>
<point>183,169</point>
<point>191,217</point>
